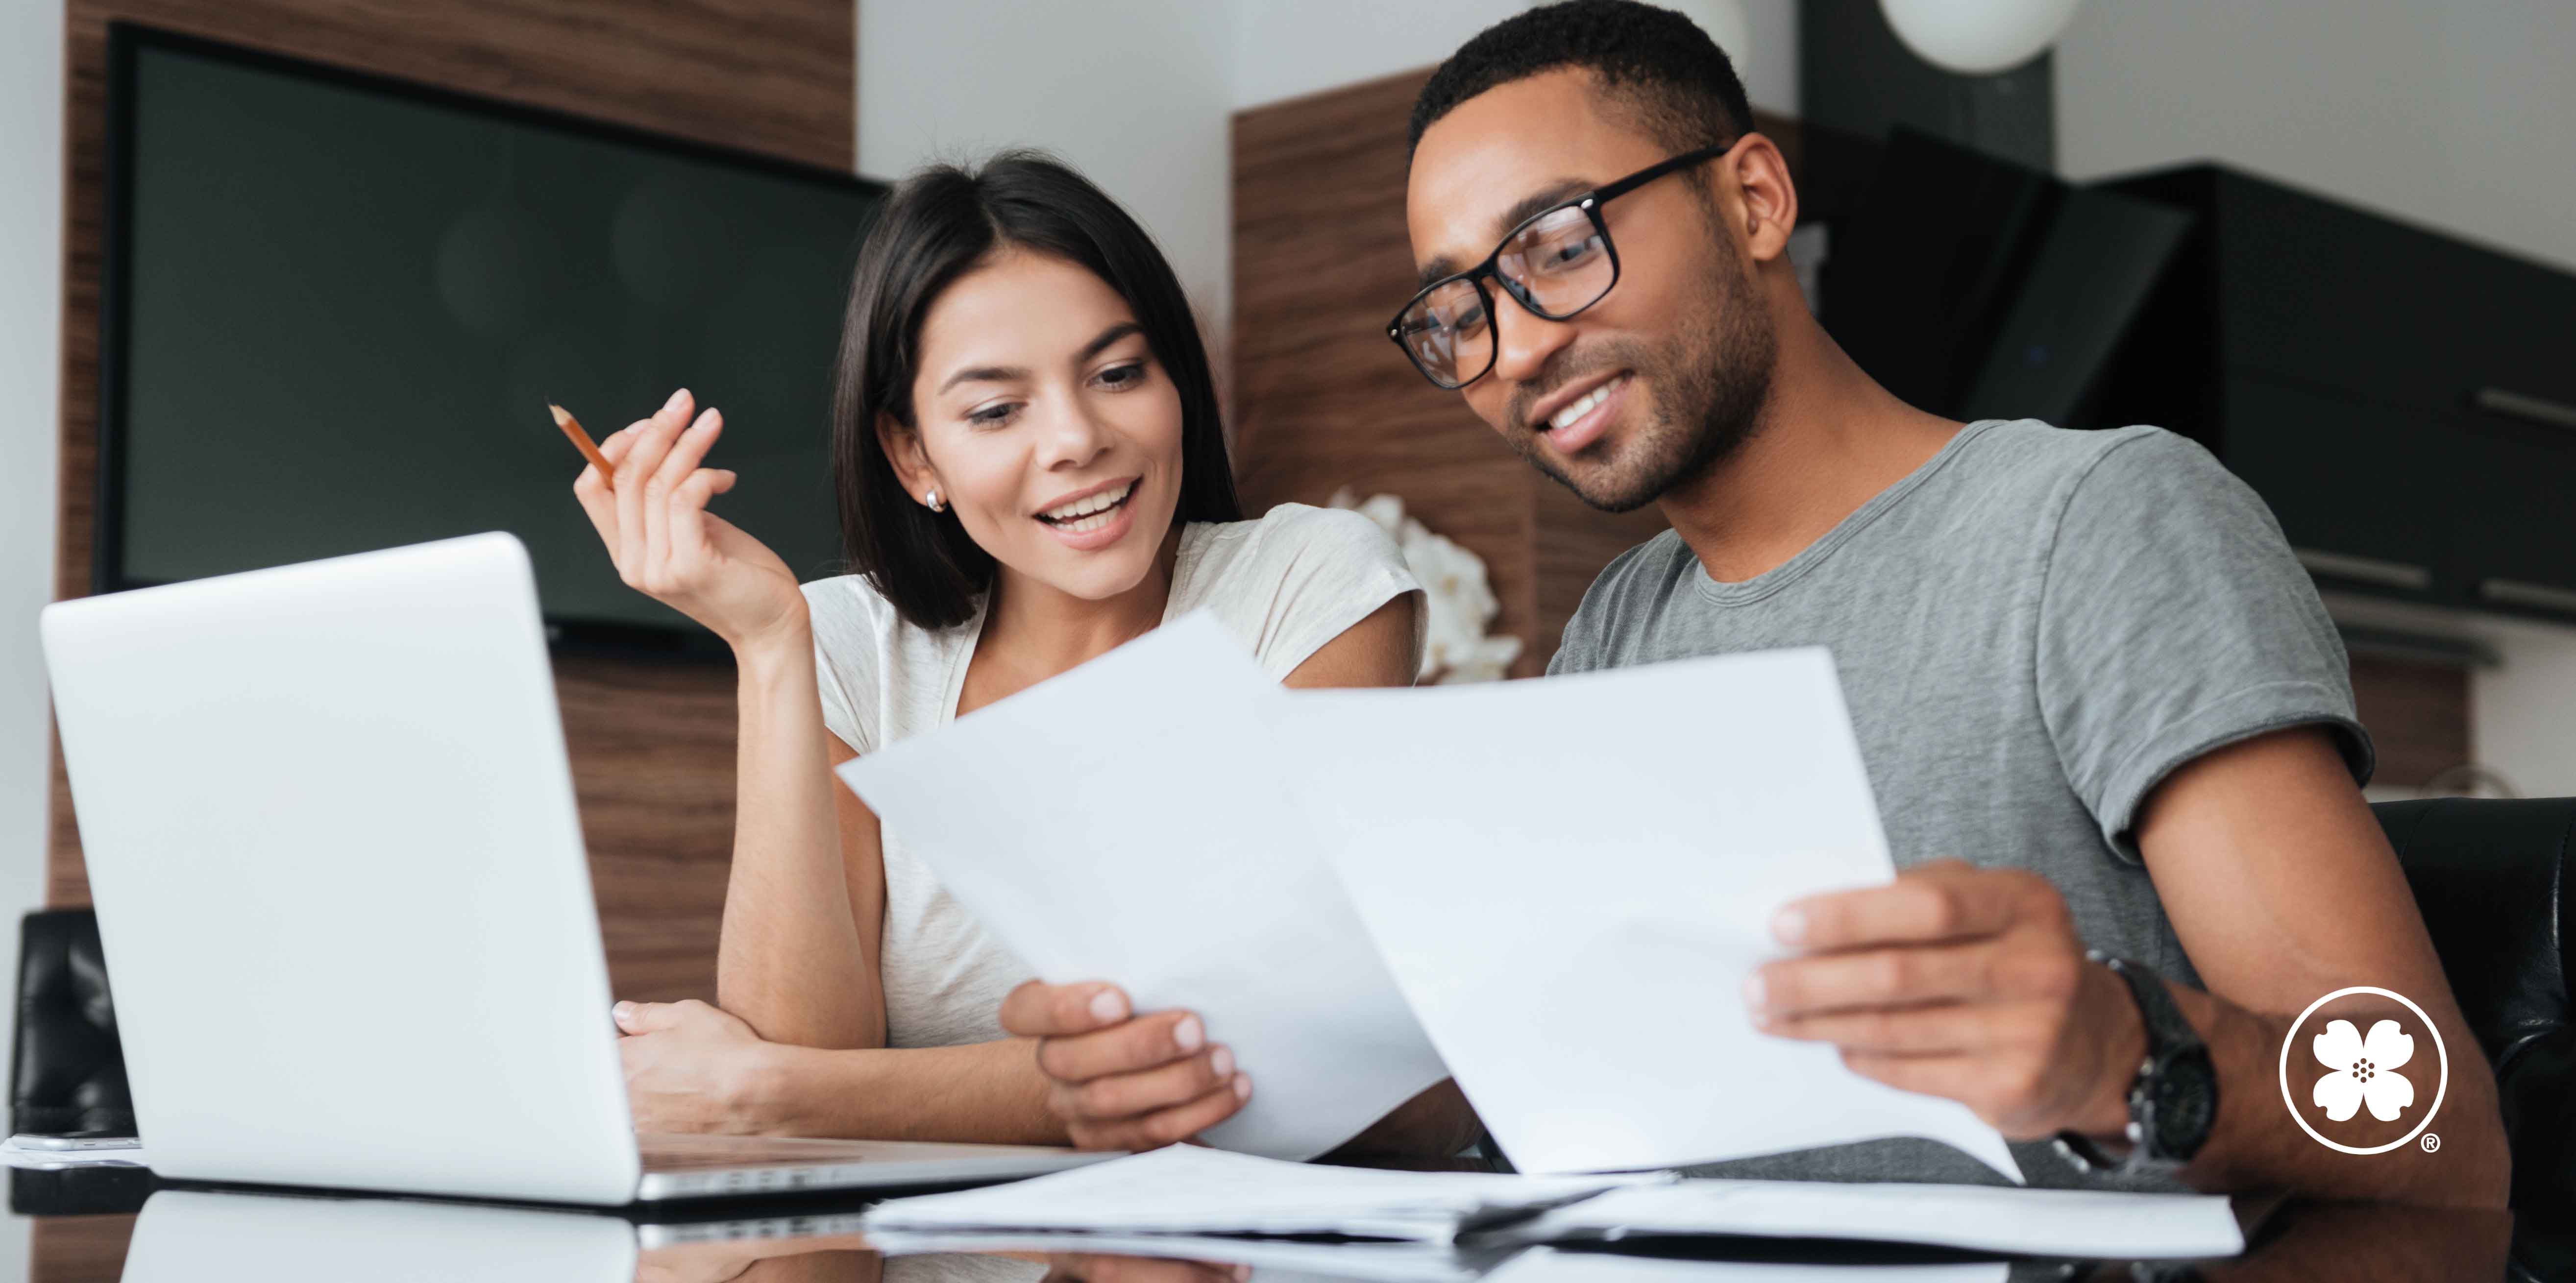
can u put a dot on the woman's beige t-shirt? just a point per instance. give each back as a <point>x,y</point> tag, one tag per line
<point>1284,585</point>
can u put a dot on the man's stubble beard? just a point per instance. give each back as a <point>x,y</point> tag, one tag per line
<point>1711,382</point>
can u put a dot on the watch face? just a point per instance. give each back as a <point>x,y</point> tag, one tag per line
<point>2185,1097</point>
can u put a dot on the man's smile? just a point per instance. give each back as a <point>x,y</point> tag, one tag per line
<point>1577,413</point>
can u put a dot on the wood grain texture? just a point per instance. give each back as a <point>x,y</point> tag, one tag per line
<point>651,742</point>
<point>1321,260</point>
<point>78,1249</point>
<point>2417,715</point>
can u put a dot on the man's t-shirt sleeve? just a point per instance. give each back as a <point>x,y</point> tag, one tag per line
<point>2174,620</point>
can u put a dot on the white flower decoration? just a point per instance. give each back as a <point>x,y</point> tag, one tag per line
<point>2365,1070</point>
<point>1455,647</point>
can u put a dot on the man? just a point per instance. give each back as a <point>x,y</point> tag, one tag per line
<point>2084,664</point>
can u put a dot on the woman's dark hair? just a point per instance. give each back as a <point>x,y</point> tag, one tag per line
<point>935,227</point>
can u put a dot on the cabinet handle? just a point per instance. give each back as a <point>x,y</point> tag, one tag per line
<point>2369,570</point>
<point>2530,409</point>
<point>2518,593</point>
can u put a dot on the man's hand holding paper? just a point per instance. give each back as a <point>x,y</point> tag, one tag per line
<point>1573,887</point>
<point>1961,982</point>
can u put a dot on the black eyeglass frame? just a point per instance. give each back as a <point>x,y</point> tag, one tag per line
<point>1590,203</point>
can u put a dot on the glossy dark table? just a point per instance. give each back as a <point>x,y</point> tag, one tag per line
<point>82,1224</point>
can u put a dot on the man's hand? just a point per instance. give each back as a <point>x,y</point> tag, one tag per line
<point>691,1067</point>
<point>1119,1081</point>
<point>1960,982</point>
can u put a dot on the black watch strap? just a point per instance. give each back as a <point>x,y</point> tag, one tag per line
<point>2173,1048</point>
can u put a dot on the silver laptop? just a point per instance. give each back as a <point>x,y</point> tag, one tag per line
<point>340,882</point>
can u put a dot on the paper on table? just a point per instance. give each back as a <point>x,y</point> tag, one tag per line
<point>1990,1218</point>
<point>1546,1265</point>
<point>1572,878</point>
<point>54,1160</point>
<point>1122,822</point>
<point>1188,1189</point>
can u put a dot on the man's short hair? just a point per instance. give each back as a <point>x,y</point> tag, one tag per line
<point>1653,62</point>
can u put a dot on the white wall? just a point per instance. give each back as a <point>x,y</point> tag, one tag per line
<point>2456,116</point>
<point>1134,93</point>
<point>2522,716</point>
<point>31,309</point>
<point>1290,48</point>
<point>1138,93</point>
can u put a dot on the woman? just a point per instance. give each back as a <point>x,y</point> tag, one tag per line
<point>1031,471</point>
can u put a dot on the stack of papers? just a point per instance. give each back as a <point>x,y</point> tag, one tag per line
<point>1140,1205</point>
<point>1189,1189</point>
<point>55,1160</point>
<point>1985,1218</point>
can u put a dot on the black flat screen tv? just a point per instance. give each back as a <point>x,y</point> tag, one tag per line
<point>335,306</point>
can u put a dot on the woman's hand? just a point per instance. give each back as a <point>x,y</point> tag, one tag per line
<point>668,546</point>
<point>691,1067</point>
<point>1118,1082</point>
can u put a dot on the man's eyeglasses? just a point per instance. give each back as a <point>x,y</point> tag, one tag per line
<point>1556,263</point>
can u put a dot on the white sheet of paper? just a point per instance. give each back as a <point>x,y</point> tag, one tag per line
<point>1572,878</point>
<point>1123,822</point>
<point>1190,1189</point>
<point>1547,1265</point>
<point>1986,1218</point>
<point>55,1160</point>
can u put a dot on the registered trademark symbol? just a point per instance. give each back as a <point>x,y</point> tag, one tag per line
<point>2431,1142</point>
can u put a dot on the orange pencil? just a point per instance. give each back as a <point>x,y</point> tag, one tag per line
<point>581,441</point>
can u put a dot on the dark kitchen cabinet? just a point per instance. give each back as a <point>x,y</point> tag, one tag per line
<point>2360,489</point>
<point>2404,400</point>
<point>2516,530</point>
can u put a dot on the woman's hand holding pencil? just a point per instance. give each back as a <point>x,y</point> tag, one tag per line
<point>647,493</point>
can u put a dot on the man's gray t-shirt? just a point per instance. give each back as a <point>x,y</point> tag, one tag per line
<point>2033,630</point>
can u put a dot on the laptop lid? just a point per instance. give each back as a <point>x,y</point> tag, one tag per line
<point>330,830</point>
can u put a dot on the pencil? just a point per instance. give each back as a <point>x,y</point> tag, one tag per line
<point>581,441</point>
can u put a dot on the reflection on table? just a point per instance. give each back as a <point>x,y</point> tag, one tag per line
<point>85,1224</point>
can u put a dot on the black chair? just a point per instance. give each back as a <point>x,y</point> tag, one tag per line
<point>67,1072</point>
<point>2494,883</point>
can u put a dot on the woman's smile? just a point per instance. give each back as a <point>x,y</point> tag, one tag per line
<point>1095,518</point>
<point>1075,510</point>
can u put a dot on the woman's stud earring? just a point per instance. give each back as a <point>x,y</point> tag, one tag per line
<point>933,500</point>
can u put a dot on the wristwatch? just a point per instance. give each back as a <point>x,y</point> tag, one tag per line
<point>2173,1103</point>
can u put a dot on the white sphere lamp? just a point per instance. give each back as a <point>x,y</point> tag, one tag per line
<point>1978,37</point>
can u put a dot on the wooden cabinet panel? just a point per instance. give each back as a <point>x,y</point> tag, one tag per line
<point>1321,399</point>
